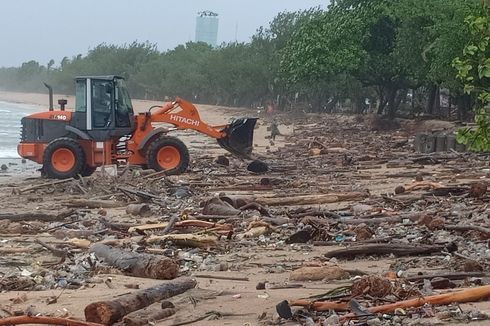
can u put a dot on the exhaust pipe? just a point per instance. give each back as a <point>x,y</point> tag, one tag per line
<point>50,96</point>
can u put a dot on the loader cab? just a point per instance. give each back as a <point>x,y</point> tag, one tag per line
<point>103,107</point>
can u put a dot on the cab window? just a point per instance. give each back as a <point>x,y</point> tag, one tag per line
<point>81,96</point>
<point>101,103</point>
<point>124,108</point>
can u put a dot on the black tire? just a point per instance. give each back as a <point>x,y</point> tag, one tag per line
<point>63,143</point>
<point>164,141</point>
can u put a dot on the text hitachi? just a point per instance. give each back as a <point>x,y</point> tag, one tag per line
<point>185,120</point>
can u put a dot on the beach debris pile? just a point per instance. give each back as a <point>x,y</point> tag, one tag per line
<point>381,234</point>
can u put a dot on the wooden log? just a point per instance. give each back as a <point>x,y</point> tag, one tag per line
<point>423,185</point>
<point>186,240</point>
<point>451,276</point>
<point>312,199</point>
<point>216,217</point>
<point>216,206</point>
<point>142,319</point>
<point>384,249</point>
<point>109,312</point>
<point>379,220</point>
<point>137,264</point>
<point>44,320</point>
<point>143,195</point>
<point>181,225</point>
<point>37,216</point>
<point>43,185</point>
<point>138,209</point>
<point>16,250</point>
<point>221,277</point>
<point>336,243</point>
<point>148,315</point>
<point>316,212</point>
<point>478,228</point>
<point>92,203</point>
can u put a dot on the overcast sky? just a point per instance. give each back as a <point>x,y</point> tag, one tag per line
<point>51,29</point>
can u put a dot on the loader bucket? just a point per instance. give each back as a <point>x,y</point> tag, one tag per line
<point>239,137</point>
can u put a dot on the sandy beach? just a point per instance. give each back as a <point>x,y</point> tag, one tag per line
<point>251,260</point>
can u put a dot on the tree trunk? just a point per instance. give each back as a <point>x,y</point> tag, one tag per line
<point>360,105</point>
<point>450,106</point>
<point>412,102</point>
<point>402,95</point>
<point>331,105</point>
<point>136,264</point>
<point>382,100</point>
<point>392,103</point>
<point>437,102</point>
<point>431,99</point>
<point>464,106</point>
<point>109,312</point>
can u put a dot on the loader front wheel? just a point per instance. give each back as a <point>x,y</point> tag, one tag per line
<point>63,158</point>
<point>169,154</point>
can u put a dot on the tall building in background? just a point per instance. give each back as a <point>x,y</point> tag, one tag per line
<point>207,27</point>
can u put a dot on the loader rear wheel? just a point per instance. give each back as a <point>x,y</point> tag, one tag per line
<point>63,158</point>
<point>169,154</point>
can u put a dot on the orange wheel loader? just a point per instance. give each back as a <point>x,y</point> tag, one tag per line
<point>103,129</point>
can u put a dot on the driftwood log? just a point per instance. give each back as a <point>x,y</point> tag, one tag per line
<point>385,249</point>
<point>181,225</point>
<point>451,276</point>
<point>43,185</point>
<point>478,228</point>
<point>92,203</point>
<point>186,240</point>
<point>149,315</point>
<point>137,264</point>
<point>311,199</point>
<point>109,312</point>
<point>37,216</point>
<point>138,209</point>
<point>381,220</point>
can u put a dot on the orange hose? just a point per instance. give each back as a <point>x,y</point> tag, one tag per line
<point>20,320</point>
<point>468,295</point>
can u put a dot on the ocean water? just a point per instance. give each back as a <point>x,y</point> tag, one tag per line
<point>10,115</point>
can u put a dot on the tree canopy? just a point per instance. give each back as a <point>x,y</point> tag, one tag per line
<point>389,55</point>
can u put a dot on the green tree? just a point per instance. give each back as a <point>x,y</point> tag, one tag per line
<point>474,71</point>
